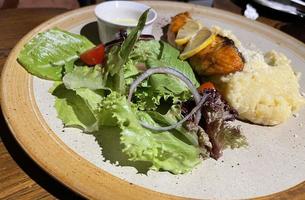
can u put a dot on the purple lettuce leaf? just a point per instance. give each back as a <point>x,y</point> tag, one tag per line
<point>216,121</point>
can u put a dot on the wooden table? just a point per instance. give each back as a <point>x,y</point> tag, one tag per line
<point>20,177</point>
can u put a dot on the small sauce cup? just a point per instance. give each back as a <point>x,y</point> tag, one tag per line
<point>113,16</point>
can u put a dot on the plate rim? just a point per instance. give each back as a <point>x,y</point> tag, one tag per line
<point>9,105</point>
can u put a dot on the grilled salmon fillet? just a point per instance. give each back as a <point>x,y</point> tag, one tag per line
<point>176,23</point>
<point>218,58</point>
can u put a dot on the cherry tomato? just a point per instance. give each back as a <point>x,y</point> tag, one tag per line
<point>205,86</point>
<point>94,56</point>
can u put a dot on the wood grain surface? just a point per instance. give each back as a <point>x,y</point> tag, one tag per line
<point>20,177</point>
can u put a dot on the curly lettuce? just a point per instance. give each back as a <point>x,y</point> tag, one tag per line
<point>162,149</point>
<point>90,110</point>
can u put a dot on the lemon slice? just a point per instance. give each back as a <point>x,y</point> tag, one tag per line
<point>202,39</point>
<point>187,31</point>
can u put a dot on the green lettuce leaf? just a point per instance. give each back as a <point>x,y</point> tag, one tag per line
<point>51,54</point>
<point>92,98</point>
<point>73,110</point>
<point>142,51</point>
<point>160,86</point>
<point>167,84</point>
<point>130,69</point>
<point>145,50</point>
<point>162,149</point>
<point>130,72</point>
<point>155,53</point>
<point>85,77</point>
<point>170,57</point>
<point>91,110</point>
<point>172,116</point>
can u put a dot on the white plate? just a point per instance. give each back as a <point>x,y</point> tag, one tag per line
<point>273,162</point>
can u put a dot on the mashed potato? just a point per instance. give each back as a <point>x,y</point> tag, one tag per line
<point>266,91</point>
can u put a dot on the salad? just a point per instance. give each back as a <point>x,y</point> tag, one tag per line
<point>139,85</point>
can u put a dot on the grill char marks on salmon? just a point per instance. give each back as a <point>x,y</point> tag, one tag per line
<point>220,57</point>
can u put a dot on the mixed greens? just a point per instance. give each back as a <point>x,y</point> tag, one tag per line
<point>94,97</point>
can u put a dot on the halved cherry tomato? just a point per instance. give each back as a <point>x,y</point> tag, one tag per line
<point>94,56</point>
<point>205,86</point>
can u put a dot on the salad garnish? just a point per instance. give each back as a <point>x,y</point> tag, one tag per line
<point>91,93</point>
